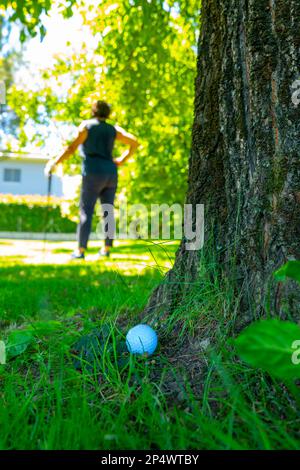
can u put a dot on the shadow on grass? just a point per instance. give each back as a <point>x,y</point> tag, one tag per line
<point>48,292</point>
<point>160,248</point>
<point>120,284</point>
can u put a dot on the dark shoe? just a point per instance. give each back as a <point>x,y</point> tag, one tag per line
<point>77,255</point>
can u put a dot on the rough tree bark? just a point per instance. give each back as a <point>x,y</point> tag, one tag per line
<point>244,163</point>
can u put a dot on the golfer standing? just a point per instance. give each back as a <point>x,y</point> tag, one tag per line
<point>99,171</point>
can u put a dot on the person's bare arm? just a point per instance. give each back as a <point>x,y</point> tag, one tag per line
<point>127,139</point>
<point>80,139</point>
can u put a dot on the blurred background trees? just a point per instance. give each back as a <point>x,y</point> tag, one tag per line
<point>138,55</point>
<point>9,61</point>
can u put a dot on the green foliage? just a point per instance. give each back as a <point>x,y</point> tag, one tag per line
<point>28,14</point>
<point>18,341</point>
<point>9,63</point>
<point>269,345</point>
<point>33,214</point>
<point>7,67</point>
<point>144,64</point>
<point>44,328</point>
<point>289,270</point>
<point>272,344</point>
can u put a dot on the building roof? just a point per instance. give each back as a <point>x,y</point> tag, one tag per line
<point>24,156</point>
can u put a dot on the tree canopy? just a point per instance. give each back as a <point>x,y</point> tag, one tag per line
<point>28,14</point>
<point>142,60</point>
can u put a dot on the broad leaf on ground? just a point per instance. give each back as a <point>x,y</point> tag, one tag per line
<point>290,269</point>
<point>18,341</point>
<point>271,345</point>
<point>44,327</point>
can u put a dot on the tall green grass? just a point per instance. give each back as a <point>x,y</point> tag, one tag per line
<point>116,401</point>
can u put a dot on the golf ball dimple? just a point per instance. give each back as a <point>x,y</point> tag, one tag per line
<point>141,339</point>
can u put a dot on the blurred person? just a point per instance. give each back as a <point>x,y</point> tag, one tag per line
<point>99,171</point>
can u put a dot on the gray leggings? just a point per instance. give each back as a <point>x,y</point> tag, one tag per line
<point>95,187</point>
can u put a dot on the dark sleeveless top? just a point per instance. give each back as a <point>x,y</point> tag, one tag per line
<point>98,147</point>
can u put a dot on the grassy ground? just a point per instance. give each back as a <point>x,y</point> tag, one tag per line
<point>105,399</point>
<point>41,283</point>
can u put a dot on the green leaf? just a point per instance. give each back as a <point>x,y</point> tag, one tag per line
<point>18,341</point>
<point>291,269</point>
<point>44,327</point>
<point>272,345</point>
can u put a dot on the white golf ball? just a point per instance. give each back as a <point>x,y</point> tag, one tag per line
<point>141,339</point>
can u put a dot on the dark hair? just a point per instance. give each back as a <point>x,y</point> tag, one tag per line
<point>101,109</point>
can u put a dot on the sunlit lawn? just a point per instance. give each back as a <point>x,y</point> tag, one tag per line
<point>38,281</point>
<point>48,403</point>
<point>52,397</point>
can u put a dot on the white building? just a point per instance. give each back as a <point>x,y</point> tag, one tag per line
<point>24,174</point>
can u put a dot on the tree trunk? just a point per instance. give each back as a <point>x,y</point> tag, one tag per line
<point>244,163</point>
